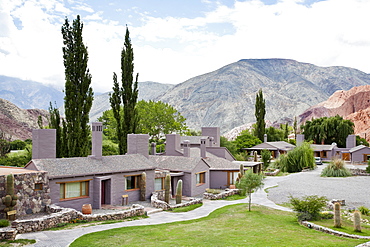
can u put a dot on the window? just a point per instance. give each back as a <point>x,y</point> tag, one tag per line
<point>232,176</point>
<point>159,184</point>
<point>132,182</point>
<point>74,189</point>
<point>200,177</point>
<point>38,186</point>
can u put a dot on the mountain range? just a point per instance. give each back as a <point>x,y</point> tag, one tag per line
<point>226,96</point>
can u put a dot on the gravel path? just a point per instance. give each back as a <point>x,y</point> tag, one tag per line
<point>354,190</point>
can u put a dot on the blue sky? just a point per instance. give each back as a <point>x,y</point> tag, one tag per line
<point>176,40</point>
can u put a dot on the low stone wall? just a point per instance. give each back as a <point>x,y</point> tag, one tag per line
<point>331,231</point>
<point>158,203</point>
<point>359,172</point>
<point>221,195</point>
<point>273,173</point>
<point>64,215</point>
<point>8,233</point>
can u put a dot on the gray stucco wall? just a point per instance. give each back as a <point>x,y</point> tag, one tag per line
<point>358,156</point>
<point>220,152</point>
<point>116,184</point>
<point>218,179</point>
<point>200,189</point>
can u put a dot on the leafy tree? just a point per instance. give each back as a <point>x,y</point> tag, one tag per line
<point>266,157</point>
<point>295,128</point>
<point>126,115</point>
<point>249,183</point>
<point>55,122</point>
<point>4,144</point>
<point>328,130</point>
<point>155,119</point>
<point>158,119</point>
<point>260,113</point>
<point>78,93</point>
<point>230,145</point>
<point>361,141</point>
<point>17,145</point>
<point>275,134</point>
<point>246,140</point>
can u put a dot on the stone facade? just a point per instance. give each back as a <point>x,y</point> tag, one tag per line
<point>32,190</point>
<point>226,193</point>
<point>64,215</point>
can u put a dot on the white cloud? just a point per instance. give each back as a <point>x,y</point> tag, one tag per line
<point>172,50</point>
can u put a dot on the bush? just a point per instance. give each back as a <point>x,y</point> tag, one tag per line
<point>4,223</point>
<point>309,207</point>
<point>297,159</point>
<point>266,157</point>
<point>368,166</point>
<point>326,215</point>
<point>336,169</point>
<point>364,210</point>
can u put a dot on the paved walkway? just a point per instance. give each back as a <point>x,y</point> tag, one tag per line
<point>63,238</point>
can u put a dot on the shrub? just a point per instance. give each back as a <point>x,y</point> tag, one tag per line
<point>309,207</point>
<point>336,169</point>
<point>213,191</point>
<point>297,159</point>
<point>368,166</point>
<point>4,223</point>
<point>326,215</point>
<point>266,157</point>
<point>364,210</point>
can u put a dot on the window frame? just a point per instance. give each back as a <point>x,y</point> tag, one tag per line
<point>162,183</point>
<point>233,175</point>
<point>86,182</point>
<point>200,177</point>
<point>136,183</point>
<point>38,186</point>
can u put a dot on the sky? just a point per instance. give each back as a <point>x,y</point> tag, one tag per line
<point>175,40</point>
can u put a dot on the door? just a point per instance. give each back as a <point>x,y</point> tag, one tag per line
<point>105,191</point>
<point>345,156</point>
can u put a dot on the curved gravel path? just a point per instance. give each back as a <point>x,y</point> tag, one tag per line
<point>354,190</point>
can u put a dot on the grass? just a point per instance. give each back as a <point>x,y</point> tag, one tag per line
<point>186,209</point>
<point>18,242</point>
<point>227,226</point>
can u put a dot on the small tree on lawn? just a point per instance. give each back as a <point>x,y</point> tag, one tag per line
<point>249,183</point>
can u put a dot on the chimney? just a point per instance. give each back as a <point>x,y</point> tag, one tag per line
<point>212,132</point>
<point>265,138</point>
<point>351,141</point>
<point>203,147</point>
<point>172,144</point>
<point>44,143</point>
<point>153,146</point>
<point>138,144</point>
<point>299,139</point>
<point>97,140</point>
<point>186,148</point>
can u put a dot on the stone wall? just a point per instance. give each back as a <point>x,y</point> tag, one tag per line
<point>30,200</point>
<point>221,195</point>
<point>359,172</point>
<point>157,202</point>
<point>64,215</point>
<point>331,231</point>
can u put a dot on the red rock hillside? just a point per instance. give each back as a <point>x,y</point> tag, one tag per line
<point>18,123</point>
<point>353,104</point>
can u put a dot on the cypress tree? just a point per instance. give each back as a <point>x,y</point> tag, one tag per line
<point>78,92</point>
<point>55,123</point>
<point>260,113</point>
<point>125,116</point>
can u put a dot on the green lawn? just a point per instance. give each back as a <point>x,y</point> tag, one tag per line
<point>347,226</point>
<point>228,226</point>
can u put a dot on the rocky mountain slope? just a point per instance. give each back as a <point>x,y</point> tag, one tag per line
<point>18,123</point>
<point>353,104</point>
<point>147,91</point>
<point>226,97</point>
<point>29,94</point>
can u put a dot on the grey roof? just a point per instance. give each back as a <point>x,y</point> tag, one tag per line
<point>68,167</point>
<point>176,163</point>
<point>281,145</point>
<point>319,147</point>
<point>357,148</point>
<point>216,163</point>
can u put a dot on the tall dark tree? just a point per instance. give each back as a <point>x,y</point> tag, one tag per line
<point>78,92</point>
<point>55,122</point>
<point>260,113</point>
<point>126,115</point>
